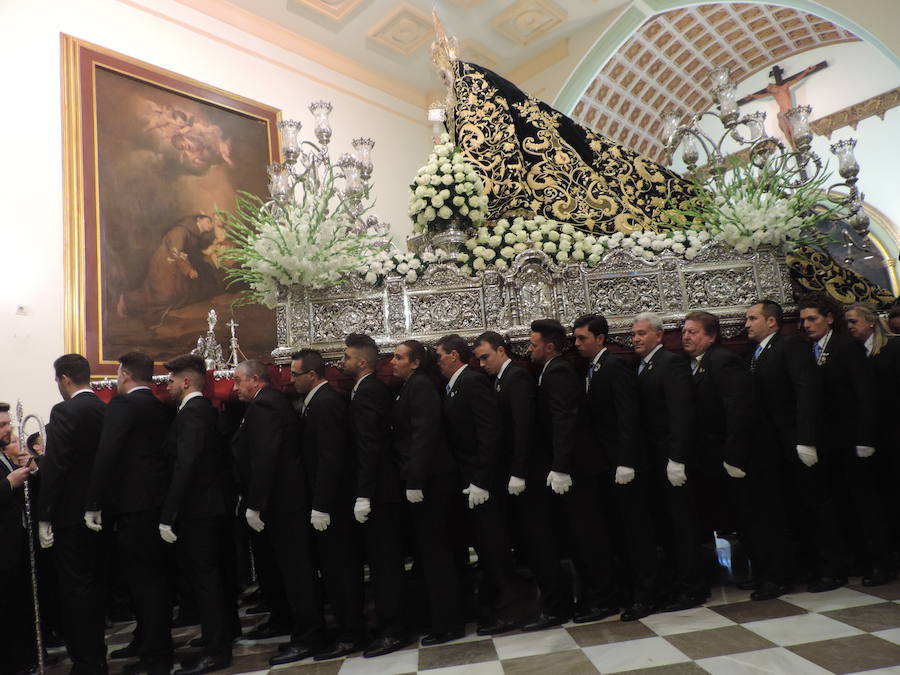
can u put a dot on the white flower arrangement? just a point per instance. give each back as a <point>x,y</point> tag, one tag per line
<point>409,266</point>
<point>446,187</point>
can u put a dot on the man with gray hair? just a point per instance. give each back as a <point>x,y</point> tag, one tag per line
<point>667,413</point>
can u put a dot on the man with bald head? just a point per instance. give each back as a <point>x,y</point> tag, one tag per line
<point>275,499</point>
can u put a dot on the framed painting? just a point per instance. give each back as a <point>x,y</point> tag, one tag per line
<point>149,158</point>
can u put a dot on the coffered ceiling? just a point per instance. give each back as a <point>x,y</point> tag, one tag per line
<point>665,64</point>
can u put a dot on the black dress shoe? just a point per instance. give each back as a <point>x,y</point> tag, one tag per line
<point>769,590</point>
<point>264,631</point>
<point>879,577</point>
<point>594,613</point>
<point>682,602</point>
<point>293,653</point>
<point>261,608</point>
<point>543,622</point>
<point>127,652</point>
<point>386,645</point>
<point>205,664</point>
<point>146,668</point>
<point>337,650</point>
<point>823,584</point>
<point>440,638</point>
<point>637,610</point>
<point>496,627</point>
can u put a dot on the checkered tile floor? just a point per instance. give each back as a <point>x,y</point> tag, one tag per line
<point>848,630</point>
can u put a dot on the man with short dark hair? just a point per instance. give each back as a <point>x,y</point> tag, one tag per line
<point>561,433</point>
<point>73,434</point>
<point>524,467</point>
<point>619,469</point>
<point>847,434</point>
<point>472,421</point>
<point>128,482</point>
<point>378,492</point>
<point>275,498</point>
<point>667,416</point>
<point>197,505</point>
<point>332,484</point>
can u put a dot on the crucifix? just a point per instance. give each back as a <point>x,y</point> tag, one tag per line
<point>781,92</point>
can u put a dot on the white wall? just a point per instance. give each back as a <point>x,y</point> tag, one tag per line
<point>170,36</point>
<point>856,71</point>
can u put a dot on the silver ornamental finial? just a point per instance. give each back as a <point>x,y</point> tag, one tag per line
<point>211,319</point>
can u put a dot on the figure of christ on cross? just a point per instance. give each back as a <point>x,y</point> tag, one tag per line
<point>781,92</point>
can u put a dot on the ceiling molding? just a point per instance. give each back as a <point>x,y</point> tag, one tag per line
<point>404,30</point>
<point>269,31</point>
<point>538,64</point>
<point>335,10</point>
<point>876,106</point>
<point>526,21</point>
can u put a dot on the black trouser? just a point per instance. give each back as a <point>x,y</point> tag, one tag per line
<point>384,550</point>
<point>81,565</point>
<point>487,523</point>
<point>144,562</point>
<point>763,518</point>
<point>531,512</point>
<point>18,651</point>
<point>679,530</point>
<point>340,558</point>
<point>199,548</point>
<point>591,544</point>
<point>289,535</point>
<point>633,510</point>
<point>431,522</point>
<point>268,576</point>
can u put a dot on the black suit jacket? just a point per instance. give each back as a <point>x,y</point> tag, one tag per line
<point>613,414</point>
<point>788,391</point>
<point>198,466</point>
<point>370,434</point>
<point>521,455</point>
<point>267,456</point>
<point>667,407</point>
<point>474,429</point>
<point>12,527</point>
<point>327,456</point>
<point>560,396</point>
<point>886,369</point>
<point>849,404</point>
<point>726,416</point>
<point>129,473</point>
<point>73,435</point>
<point>420,447</point>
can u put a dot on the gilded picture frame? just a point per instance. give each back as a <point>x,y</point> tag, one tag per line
<point>149,157</point>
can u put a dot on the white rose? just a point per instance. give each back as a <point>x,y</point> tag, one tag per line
<point>568,229</point>
<point>445,212</point>
<point>371,277</point>
<point>411,276</point>
<point>465,269</point>
<point>562,256</point>
<point>553,235</point>
<point>550,247</point>
<point>509,238</point>
<point>495,241</point>
<point>437,202</point>
<point>578,255</point>
<point>691,253</point>
<point>402,268</point>
<point>519,247</point>
<point>447,179</point>
<point>500,264</point>
<point>678,248</point>
<point>507,252</point>
<point>479,264</point>
<point>462,257</point>
<point>626,243</point>
<point>415,264</point>
<point>536,236</point>
<point>593,259</point>
<point>471,243</point>
<point>489,254</point>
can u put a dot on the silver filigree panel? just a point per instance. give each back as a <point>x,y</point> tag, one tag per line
<point>629,295</point>
<point>721,287</point>
<point>445,312</point>
<point>332,321</point>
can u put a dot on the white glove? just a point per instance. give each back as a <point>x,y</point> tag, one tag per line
<point>362,509</point>
<point>45,534</point>
<point>624,475</point>
<point>320,521</point>
<point>675,473</point>
<point>165,531</point>
<point>254,521</point>
<point>477,495</point>
<point>864,451</point>
<point>733,471</point>
<point>415,496</point>
<point>559,482</point>
<point>807,454</point>
<point>516,485</point>
<point>93,520</point>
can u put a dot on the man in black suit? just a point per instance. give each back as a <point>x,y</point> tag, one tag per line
<point>561,430</point>
<point>620,467</point>
<point>73,435</point>
<point>17,639</point>
<point>667,413</point>
<point>742,473</point>
<point>523,468</point>
<point>378,493</point>
<point>128,482</point>
<point>197,506</point>
<point>473,425</point>
<point>848,431</point>
<point>332,483</point>
<point>429,478</point>
<point>275,498</point>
